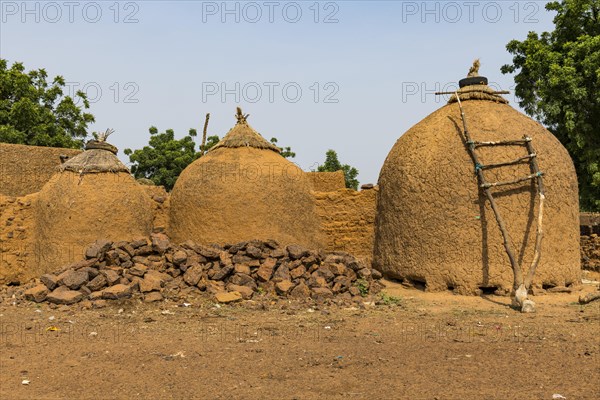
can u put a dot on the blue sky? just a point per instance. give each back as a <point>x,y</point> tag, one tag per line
<point>347,75</point>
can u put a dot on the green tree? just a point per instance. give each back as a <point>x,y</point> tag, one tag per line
<point>332,164</point>
<point>36,112</point>
<point>211,141</point>
<point>558,83</point>
<point>165,157</point>
<point>285,151</point>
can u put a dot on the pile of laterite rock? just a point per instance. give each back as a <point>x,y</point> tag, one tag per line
<point>156,269</point>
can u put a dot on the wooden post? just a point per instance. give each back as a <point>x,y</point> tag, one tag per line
<point>202,149</point>
<point>540,229</point>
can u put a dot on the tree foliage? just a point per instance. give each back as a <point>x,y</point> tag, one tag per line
<point>36,112</point>
<point>285,151</point>
<point>164,158</point>
<point>558,83</point>
<point>210,142</point>
<point>332,164</point>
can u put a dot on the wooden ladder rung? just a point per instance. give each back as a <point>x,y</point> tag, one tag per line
<point>518,142</point>
<point>513,162</point>
<point>496,184</point>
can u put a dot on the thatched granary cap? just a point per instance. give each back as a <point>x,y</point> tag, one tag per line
<point>243,135</point>
<point>99,156</point>
<point>475,87</point>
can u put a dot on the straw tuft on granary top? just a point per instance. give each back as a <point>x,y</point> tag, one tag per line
<point>99,156</point>
<point>475,87</point>
<point>243,135</point>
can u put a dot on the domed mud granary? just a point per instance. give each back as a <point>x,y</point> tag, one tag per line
<point>435,225</point>
<point>93,196</point>
<point>243,189</point>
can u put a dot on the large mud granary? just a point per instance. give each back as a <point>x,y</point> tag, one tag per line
<point>434,225</point>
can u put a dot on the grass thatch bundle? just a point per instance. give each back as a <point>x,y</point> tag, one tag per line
<point>98,157</point>
<point>242,135</point>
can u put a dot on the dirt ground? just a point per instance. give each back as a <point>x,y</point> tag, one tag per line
<point>429,346</point>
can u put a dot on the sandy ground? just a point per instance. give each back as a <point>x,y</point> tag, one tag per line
<point>429,346</point>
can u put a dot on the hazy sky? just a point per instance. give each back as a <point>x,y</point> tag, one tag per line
<point>348,75</point>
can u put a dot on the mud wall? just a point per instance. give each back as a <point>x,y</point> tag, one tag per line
<point>590,252</point>
<point>160,205</point>
<point>17,254</point>
<point>348,220</point>
<point>25,169</point>
<point>589,223</point>
<point>327,181</point>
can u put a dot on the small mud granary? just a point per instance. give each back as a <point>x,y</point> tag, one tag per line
<point>92,196</point>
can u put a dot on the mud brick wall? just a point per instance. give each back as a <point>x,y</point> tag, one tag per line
<point>348,220</point>
<point>589,223</point>
<point>160,207</point>
<point>327,181</point>
<point>25,169</point>
<point>590,252</point>
<point>16,234</point>
<point>590,241</point>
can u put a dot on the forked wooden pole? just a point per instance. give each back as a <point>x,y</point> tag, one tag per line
<point>202,149</point>
<point>518,274</point>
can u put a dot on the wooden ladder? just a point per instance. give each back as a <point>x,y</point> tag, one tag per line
<point>536,175</point>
